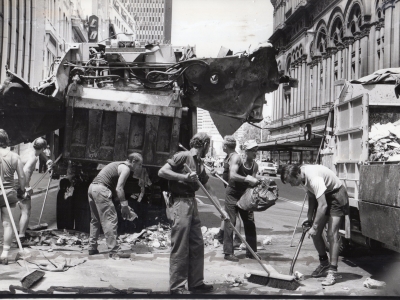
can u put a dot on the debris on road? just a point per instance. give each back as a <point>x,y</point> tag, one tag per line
<point>298,275</point>
<point>374,284</point>
<point>267,241</point>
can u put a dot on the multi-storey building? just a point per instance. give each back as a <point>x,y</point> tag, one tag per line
<point>153,19</point>
<point>322,43</point>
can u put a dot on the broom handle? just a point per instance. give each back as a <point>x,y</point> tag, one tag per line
<point>207,167</point>
<point>227,219</point>
<point>12,221</point>
<point>45,173</point>
<point>294,231</point>
<point>45,197</point>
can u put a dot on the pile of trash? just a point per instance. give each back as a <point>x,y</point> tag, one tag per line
<point>156,236</point>
<point>384,142</point>
<point>56,238</point>
<point>208,236</point>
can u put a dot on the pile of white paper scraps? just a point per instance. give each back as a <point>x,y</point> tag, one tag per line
<point>384,142</point>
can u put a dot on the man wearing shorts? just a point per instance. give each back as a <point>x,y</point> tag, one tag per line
<point>328,200</point>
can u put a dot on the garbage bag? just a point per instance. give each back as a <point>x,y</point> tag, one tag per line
<point>260,197</point>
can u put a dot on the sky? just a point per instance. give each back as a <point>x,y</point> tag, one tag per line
<point>210,24</point>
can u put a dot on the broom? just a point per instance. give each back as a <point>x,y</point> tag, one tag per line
<point>272,278</point>
<point>44,225</point>
<point>31,277</point>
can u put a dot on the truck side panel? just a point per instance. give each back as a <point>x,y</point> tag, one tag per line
<point>381,223</point>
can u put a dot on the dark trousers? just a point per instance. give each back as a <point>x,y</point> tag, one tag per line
<point>231,198</point>
<point>42,164</point>
<point>187,245</point>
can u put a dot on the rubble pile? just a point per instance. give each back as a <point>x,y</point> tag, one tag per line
<point>208,236</point>
<point>56,238</point>
<point>156,236</point>
<point>384,142</point>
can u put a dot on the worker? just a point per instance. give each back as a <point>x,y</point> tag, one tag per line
<point>108,183</point>
<point>329,202</point>
<point>44,158</point>
<point>241,176</point>
<point>228,146</point>
<point>187,245</point>
<point>29,162</point>
<point>10,163</point>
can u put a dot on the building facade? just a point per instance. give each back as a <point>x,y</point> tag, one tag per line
<point>322,43</point>
<point>153,19</point>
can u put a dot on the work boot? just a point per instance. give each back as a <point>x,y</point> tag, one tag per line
<point>249,255</point>
<point>220,236</point>
<point>330,278</point>
<point>236,243</point>
<point>320,270</point>
<point>231,257</point>
<point>179,292</point>
<point>203,288</point>
<point>93,251</point>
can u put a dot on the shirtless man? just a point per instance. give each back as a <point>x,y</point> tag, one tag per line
<point>29,163</point>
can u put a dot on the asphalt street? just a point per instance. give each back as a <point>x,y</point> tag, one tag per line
<point>277,223</point>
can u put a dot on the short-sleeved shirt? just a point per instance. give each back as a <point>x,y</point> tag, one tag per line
<point>108,176</point>
<point>319,179</point>
<point>177,162</point>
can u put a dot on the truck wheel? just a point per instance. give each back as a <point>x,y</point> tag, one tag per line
<point>65,219</point>
<point>344,244</point>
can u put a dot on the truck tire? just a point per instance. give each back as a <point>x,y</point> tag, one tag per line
<point>344,244</point>
<point>65,219</point>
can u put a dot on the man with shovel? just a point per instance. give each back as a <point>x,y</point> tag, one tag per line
<point>187,245</point>
<point>29,162</point>
<point>328,200</point>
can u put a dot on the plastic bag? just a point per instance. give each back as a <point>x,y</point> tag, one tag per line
<point>260,197</point>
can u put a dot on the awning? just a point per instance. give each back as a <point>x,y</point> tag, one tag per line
<point>296,143</point>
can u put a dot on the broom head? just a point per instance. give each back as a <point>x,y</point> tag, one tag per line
<point>38,227</point>
<point>31,278</point>
<point>275,279</point>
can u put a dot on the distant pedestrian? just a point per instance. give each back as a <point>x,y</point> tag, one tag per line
<point>328,200</point>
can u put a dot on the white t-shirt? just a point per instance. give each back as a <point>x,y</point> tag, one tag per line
<point>319,179</point>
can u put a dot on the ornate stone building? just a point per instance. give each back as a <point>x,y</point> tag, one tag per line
<point>322,43</point>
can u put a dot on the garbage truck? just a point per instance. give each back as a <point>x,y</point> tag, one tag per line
<point>106,101</point>
<point>364,151</point>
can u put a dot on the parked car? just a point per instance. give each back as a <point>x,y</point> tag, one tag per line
<point>267,168</point>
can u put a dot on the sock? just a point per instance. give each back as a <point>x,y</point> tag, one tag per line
<point>4,254</point>
<point>323,259</point>
<point>333,268</point>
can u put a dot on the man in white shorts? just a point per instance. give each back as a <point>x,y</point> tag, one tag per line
<point>328,199</point>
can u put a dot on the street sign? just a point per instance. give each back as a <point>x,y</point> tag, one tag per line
<point>93,28</point>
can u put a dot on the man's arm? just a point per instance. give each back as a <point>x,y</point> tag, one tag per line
<point>123,172</point>
<point>20,173</point>
<point>28,169</point>
<point>168,173</point>
<point>312,205</point>
<point>234,165</point>
<point>255,171</point>
<point>321,210</point>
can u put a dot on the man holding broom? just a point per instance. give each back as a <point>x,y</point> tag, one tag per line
<point>328,200</point>
<point>29,163</point>
<point>187,245</point>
